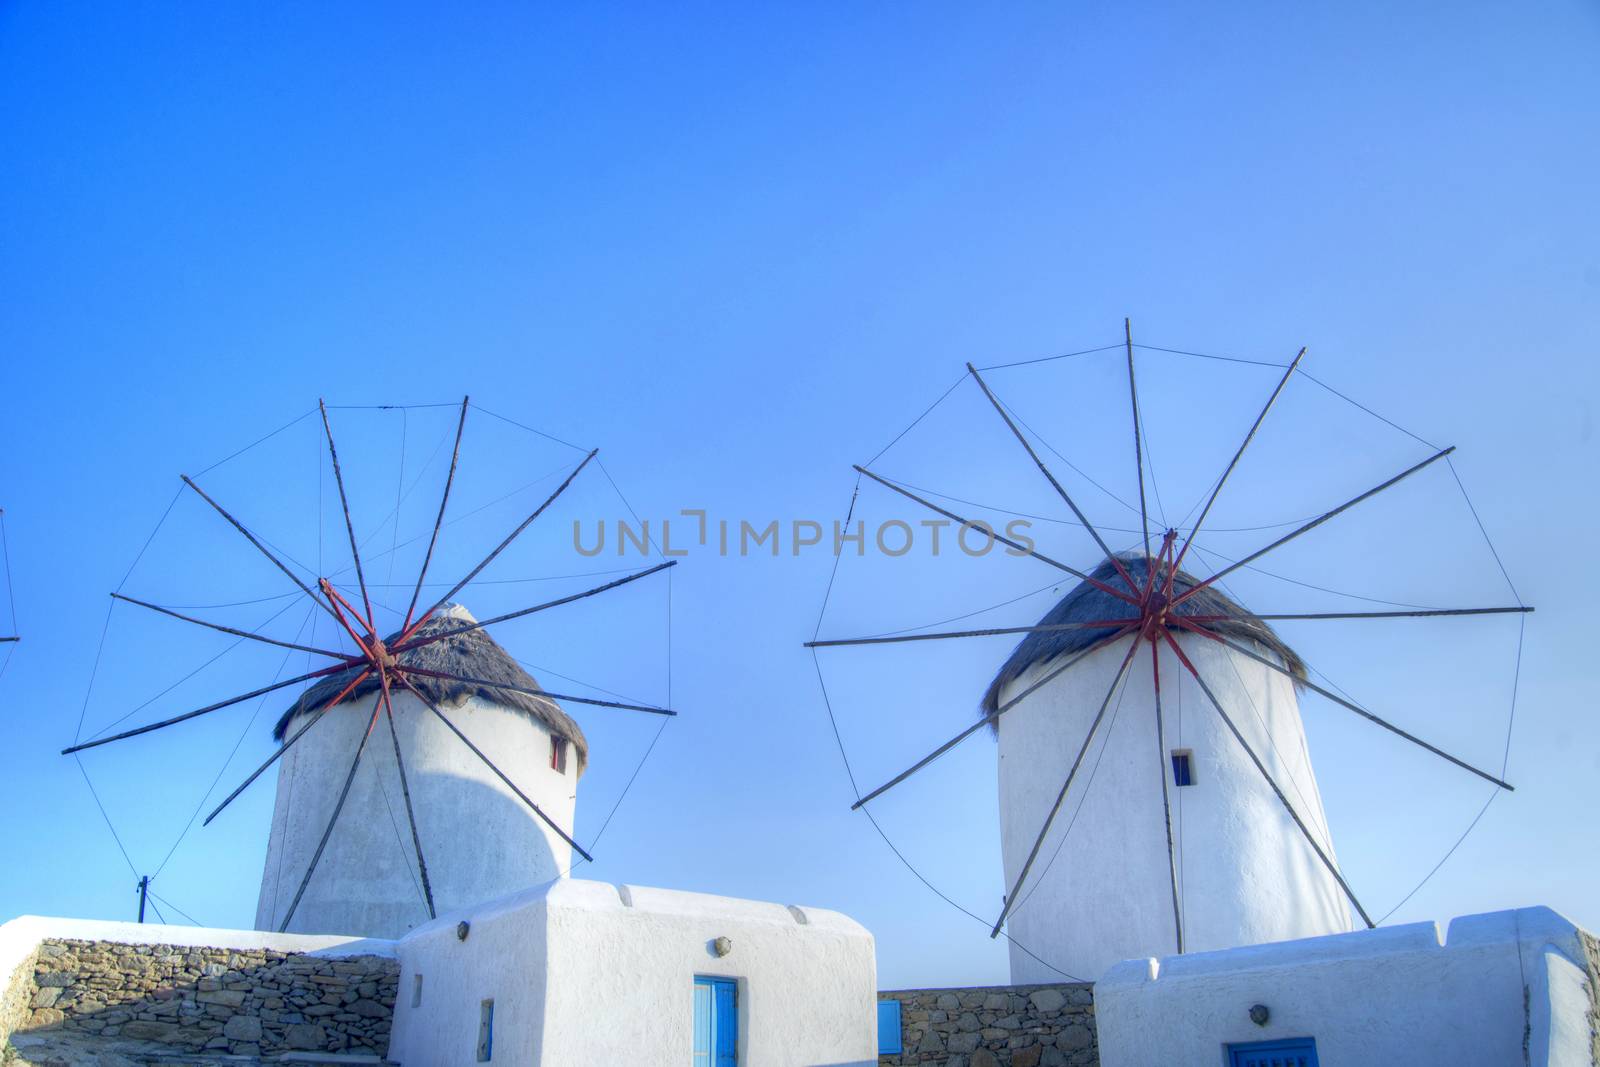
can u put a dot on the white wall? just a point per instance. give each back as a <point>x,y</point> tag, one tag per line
<point>1392,995</point>
<point>479,840</point>
<point>625,958</point>
<point>1246,874</point>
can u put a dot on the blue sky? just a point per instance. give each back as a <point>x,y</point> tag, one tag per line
<point>739,249</point>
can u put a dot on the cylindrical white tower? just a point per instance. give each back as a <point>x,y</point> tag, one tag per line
<point>479,840</point>
<point>1101,889</point>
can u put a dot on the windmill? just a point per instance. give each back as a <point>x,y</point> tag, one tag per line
<point>439,681</point>
<point>1137,629</point>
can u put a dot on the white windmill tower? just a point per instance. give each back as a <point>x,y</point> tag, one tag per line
<point>483,839</point>
<point>454,707</point>
<point>1200,832</point>
<point>1181,844</point>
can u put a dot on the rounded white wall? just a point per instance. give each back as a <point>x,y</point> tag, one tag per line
<point>1100,891</point>
<point>479,840</point>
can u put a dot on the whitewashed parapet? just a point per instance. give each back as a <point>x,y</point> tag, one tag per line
<point>1504,987</point>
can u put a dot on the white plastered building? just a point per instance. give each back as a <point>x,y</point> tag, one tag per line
<point>576,972</point>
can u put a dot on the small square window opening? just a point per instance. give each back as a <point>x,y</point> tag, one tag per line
<point>558,754</point>
<point>1182,766</point>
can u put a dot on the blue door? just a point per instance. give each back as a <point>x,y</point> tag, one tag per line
<point>1290,1052</point>
<point>889,1028</point>
<point>716,1022</point>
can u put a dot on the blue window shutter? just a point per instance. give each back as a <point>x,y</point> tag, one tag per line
<point>888,1027</point>
<point>702,1024</point>
<point>716,1022</point>
<point>1290,1052</point>
<point>727,1024</point>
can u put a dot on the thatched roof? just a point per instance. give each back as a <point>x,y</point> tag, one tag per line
<point>473,654</point>
<point>1087,604</point>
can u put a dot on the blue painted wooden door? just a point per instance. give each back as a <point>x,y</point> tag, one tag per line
<point>716,1022</point>
<point>1291,1052</point>
<point>888,1028</point>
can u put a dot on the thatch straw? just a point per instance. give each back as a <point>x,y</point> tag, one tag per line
<point>1085,603</point>
<point>473,654</point>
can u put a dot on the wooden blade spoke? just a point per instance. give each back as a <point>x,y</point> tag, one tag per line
<point>1267,661</point>
<point>426,673</point>
<point>1419,613</point>
<point>405,791</point>
<point>467,627</point>
<point>323,673</point>
<point>1060,491</point>
<point>276,562</point>
<point>1305,831</point>
<point>1166,804</point>
<point>1313,524</point>
<point>1120,594</point>
<point>338,807</point>
<point>229,629</point>
<point>288,743</point>
<point>1138,438</point>
<point>438,522</point>
<point>344,505</point>
<point>1044,831</point>
<point>487,762</point>
<point>501,547</point>
<point>987,720</point>
<point>1234,462</point>
<point>1055,627</point>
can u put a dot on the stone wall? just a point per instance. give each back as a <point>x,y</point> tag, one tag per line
<point>997,1026</point>
<point>1591,959</point>
<point>16,998</point>
<point>239,1001</point>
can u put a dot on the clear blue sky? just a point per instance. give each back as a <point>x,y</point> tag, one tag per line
<point>739,248</point>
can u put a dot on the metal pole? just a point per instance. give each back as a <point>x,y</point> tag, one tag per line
<point>144,894</point>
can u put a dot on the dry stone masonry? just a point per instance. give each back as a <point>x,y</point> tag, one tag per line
<point>1591,954</point>
<point>245,1002</point>
<point>997,1026</point>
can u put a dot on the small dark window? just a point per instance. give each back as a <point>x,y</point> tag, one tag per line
<point>558,755</point>
<point>486,1031</point>
<point>1182,767</point>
